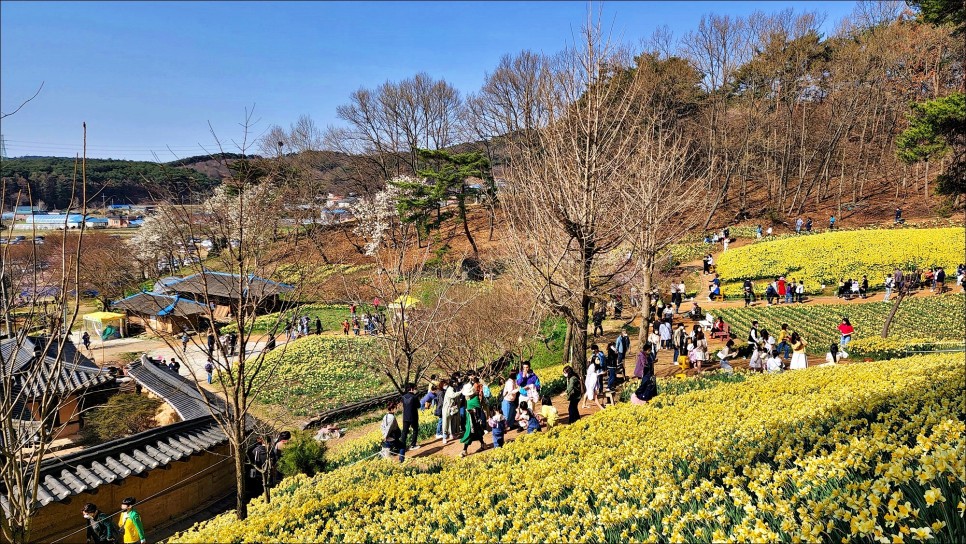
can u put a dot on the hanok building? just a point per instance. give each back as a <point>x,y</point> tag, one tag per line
<point>73,381</point>
<point>174,471</point>
<point>156,312</point>
<point>227,294</point>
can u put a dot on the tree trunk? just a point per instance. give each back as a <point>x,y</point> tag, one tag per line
<point>647,268</point>
<point>466,227</point>
<point>892,313</point>
<point>568,343</point>
<point>241,505</point>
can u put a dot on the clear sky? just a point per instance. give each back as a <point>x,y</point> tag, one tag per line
<point>151,75</point>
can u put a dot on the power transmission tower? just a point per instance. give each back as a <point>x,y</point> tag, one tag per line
<point>3,147</point>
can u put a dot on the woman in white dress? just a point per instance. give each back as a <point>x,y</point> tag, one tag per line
<point>590,382</point>
<point>798,352</point>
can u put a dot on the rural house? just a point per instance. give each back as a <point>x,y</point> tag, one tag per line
<point>162,313</point>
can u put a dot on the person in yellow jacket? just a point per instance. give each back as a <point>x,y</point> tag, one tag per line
<point>130,523</point>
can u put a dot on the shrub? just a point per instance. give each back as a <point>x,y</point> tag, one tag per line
<point>302,455</point>
<point>123,415</point>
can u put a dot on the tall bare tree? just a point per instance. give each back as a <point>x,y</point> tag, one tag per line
<point>39,307</point>
<point>563,195</point>
<point>252,269</point>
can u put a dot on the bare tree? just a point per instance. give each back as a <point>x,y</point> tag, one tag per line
<point>419,311</point>
<point>38,311</point>
<point>563,195</point>
<point>251,270</point>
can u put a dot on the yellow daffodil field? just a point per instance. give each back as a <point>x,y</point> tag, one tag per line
<point>921,322</point>
<point>870,452</point>
<point>824,258</point>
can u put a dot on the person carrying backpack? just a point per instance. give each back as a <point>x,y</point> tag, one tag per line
<point>209,369</point>
<point>100,530</point>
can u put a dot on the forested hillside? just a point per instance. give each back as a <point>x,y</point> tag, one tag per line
<point>51,180</point>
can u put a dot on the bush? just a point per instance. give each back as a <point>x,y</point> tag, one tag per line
<point>123,415</point>
<point>302,455</point>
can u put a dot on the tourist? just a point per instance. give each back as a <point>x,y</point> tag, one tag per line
<point>808,225</point>
<point>654,339</point>
<point>184,342</point>
<point>798,225</point>
<point>784,338</point>
<point>526,419</point>
<point>798,344</point>
<point>548,412</point>
<point>768,342</point>
<point>356,326</point>
<point>644,358</point>
<point>699,355</point>
<point>679,340</point>
<point>856,289</point>
<point>100,530</point>
<point>86,340</point>
<point>591,381</point>
<point>509,400</point>
<point>771,292</point>
<point>940,281</point>
<point>211,343</point>
<point>451,410</point>
<point>475,421</point>
<point>774,362</point>
<point>726,354</point>
<point>864,286</point>
<point>647,388</point>
<point>749,294</point>
<point>846,330</point>
<point>573,393</point>
<point>835,354</point>
<point>391,435</point>
<point>209,369</point>
<point>789,292</point>
<point>622,345</point>
<point>598,319</point>
<point>497,423</point>
<point>345,327</point>
<point>410,416</point>
<point>668,314</point>
<point>898,219</point>
<point>887,284</point>
<point>756,361</point>
<point>714,289</point>
<point>758,232</point>
<point>706,263</point>
<point>754,337</point>
<point>782,289</point>
<point>318,326</point>
<point>130,524</point>
<point>831,222</point>
<point>800,291</point>
<point>664,330</point>
<point>174,366</point>
<point>529,383</point>
<point>633,298</point>
<point>769,232</point>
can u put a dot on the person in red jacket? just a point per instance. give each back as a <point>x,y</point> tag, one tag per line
<point>782,289</point>
<point>846,330</point>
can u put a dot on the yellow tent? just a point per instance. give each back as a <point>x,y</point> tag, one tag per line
<point>105,324</point>
<point>403,302</point>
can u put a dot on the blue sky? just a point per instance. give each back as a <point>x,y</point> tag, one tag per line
<point>146,75</point>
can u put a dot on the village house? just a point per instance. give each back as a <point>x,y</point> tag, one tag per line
<point>227,293</point>
<point>156,312</point>
<point>74,381</point>
<point>174,470</point>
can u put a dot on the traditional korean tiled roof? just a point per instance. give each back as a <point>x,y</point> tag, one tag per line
<point>179,392</point>
<point>64,476</point>
<point>155,304</point>
<point>225,285</point>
